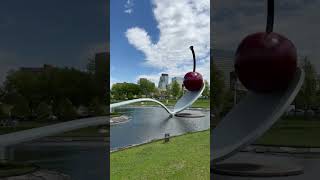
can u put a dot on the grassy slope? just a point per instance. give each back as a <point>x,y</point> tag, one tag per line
<point>184,157</point>
<point>293,132</point>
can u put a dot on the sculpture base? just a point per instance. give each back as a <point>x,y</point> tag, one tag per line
<point>256,170</point>
<point>190,114</point>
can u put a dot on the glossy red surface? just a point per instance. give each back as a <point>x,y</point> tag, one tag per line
<point>193,81</point>
<point>266,62</point>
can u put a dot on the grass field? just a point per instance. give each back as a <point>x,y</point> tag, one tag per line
<point>184,157</point>
<point>293,132</point>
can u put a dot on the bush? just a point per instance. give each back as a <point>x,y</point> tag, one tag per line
<point>43,112</point>
<point>65,110</point>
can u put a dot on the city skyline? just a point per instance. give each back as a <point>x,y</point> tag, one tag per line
<point>169,80</point>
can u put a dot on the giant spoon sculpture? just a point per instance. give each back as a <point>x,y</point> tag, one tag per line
<point>266,64</point>
<point>193,82</point>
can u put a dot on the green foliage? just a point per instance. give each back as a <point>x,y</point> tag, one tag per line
<point>175,89</point>
<point>43,111</point>
<point>218,93</point>
<point>97,108</point>
<point>307,97</point>
<point>147,87</point>
<point>206,91</point>
<point>183,157</point>
<point>3,112</point>
<point>122,91</point>
<point>2,93</point>
<point>65,110</point>
<point>21,108</point>
<point>51,84</point>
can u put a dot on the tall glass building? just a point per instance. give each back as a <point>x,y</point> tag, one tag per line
<point>163,82</point>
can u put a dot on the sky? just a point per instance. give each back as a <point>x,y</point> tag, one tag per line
<point>57,32</point>
<point>298,20</point>
<point>150,37</point>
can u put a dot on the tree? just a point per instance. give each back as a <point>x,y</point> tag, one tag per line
<point>21,108</point>
<point>97,108</point>
<point>217,92</point>
<point>206,91</point>
<point>43,112</point>
<point>307,95</point>
<point>52,84</point>
<point>65,110</point>
<point>2,93</point>
<point>125,90</point>
<point>3,113</point>
<point>147,87</point>
<point>175,89</point>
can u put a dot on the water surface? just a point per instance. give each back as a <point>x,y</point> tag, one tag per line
<point>148,123</point>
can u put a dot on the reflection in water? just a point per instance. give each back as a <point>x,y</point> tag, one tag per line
<point>82,161</point>
<point>147,123</point>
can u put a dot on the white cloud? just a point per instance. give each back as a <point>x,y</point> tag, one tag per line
<point>181,24</point>
<point>128,7</point>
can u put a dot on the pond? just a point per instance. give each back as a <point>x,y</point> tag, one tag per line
<point>148,123</point>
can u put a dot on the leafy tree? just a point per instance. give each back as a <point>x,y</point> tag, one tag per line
<point>21,108</point>
<point>147,87</point>
<point>307,95</point>
<point>43,111</point>
<point>125,90</point>
<point>217,92</point>
<point>175,89</point>
<point>206,91</point>
<point>97,108</point>
<point>65,110</point>
<point>51,84</point>
<point>2,93</point>
<point>3,113</point>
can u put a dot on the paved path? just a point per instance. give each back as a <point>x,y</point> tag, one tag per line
<point>309,162</point>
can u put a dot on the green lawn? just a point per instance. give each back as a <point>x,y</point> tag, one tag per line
<point>184,157</point>
<point>293,132</point>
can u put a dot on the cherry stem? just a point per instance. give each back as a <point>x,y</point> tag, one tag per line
<point>270,16</point>
<point>194,59</point>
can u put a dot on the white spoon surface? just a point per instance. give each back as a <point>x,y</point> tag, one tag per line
<point>183,103</point>
<point>250,118</point>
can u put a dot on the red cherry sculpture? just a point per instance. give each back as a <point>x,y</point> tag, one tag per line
<point>266,62</point>
<point>193,81</point>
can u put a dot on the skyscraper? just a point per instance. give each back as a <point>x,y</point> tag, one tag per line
<point>102,70</point>
<point>179,80</point>
<point>163,82</point>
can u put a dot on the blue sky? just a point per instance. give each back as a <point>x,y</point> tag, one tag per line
<point>57,32</point>
<point>126,61</point>
<point>150,37</point>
